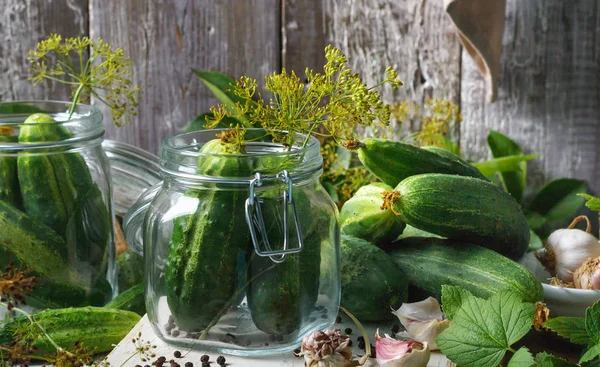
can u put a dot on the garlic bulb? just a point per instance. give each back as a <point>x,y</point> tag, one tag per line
<point>567,249</point>
<point>423,321</point>
<point>587,276</point>
<point>326,349</point>
<point>391,352</point>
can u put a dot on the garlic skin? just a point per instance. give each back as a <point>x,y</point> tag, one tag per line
<point>326,349</point>
<point>423,320</point>
<point>587,276</point>
<point>400,353</point>
<point>566,250</point>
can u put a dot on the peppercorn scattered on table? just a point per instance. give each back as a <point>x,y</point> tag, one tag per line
<point>142,335</point>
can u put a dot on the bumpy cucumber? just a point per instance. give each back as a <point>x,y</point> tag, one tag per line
<point>362,217</point>
<point>372,283</point>
<point>9,182</point>
<point>200,274</point>
<point>97,328</point>
<point>429,263</point>
<point>36,247</point>
<point>393,161</point>
<point>131,300</point>
<point>58,190</point>
<point>466,209</point>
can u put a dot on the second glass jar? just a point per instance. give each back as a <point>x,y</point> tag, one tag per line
<point>241,250</point>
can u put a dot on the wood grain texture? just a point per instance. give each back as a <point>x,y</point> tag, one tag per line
<point>548,97</point>
<point>22,25</point>
<point>166,38</point>
<point>416,37</point>
<point>303,35</point>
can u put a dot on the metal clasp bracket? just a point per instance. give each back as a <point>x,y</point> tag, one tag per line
<point>256,221</point>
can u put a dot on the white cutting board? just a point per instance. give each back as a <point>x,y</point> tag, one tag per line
<point>126,348</point>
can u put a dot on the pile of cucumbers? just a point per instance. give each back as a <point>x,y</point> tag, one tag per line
<point>53,219</point>
<point>476,228</point>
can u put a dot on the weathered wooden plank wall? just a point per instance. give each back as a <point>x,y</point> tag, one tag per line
<point>548,90</point>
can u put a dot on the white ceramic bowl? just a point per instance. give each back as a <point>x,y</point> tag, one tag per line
<point>560,301</point>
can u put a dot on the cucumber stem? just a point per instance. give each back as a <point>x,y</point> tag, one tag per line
<point>389,199</point>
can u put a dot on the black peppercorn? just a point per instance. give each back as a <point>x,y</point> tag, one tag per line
<point>361,344</point>
<point>350,342</point>
<point>338,319</point>
<point>348,331</point>
<point>162,359</point>
<point>189,364</point>
<point>221,360</point>
<point>175,333</point>
<point>360,339</point>
<point>177,354</point>
<point>204,358</point>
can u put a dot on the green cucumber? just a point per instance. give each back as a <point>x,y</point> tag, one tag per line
<point>200,274</point>
<point>464,208</point>
<point>362,217</point>
<point>372,283</point>
<point>131,300</point>
<point>9,182</point>
<point>429,263</point>
<point>35,247</point>
<point>393,161</point>
<point>131,270</point>
<point>96,328</point>
<point>280,296</point>
<point>58,190</point>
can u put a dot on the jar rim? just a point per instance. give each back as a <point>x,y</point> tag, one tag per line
<point>85,124</point>
<point>180,155</point>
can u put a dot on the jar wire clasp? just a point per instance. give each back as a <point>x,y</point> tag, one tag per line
<point>256,221</point>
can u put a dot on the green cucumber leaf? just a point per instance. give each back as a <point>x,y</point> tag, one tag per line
<point>592,202</point>
<point>559,199</point>
<point>482,331</point>
<point>521,358</point>
<point>220,85</point>
<point>535,220</point>
<point>592,322</point>
<point>503,164</point>
<point>591,353</point>
<point>572,328</point>
<point>199,122</point>
<point>535,242</point>
<point>502,146</point>
<point>548,360</point>
<point>452,298</point>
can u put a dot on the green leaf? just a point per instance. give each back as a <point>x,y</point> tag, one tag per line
<point>548,360</point>
<point>558,200</point>
<point>503,164</point>
<point>572,328</point>
<point>502,146</point>
<point>593,363</point>
<point>220,85</point>
<point>199,123</point>
<point>452,298</point>
<point>593,352</point>
<point>482,331</point>
<point>342,161</point>
<point>521,358</point>
<point>17,107</point>
<point>592,322</point>
<point>535,242</point>
<point>330,188</point>
<point>592,202</point>
<point>535,220</point>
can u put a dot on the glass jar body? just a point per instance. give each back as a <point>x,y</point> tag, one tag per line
<point>212,286</point>
<point>55,204</point>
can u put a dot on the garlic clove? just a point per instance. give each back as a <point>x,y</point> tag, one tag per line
<point>400,353</point>
<point>427,332</point>
<point>423,321</point>
<point>566,250</point>
<point>587,276</point>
